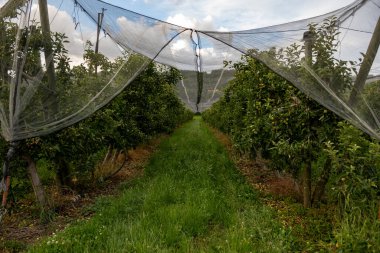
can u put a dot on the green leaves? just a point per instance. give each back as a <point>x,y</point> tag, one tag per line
<point>147,107</point>
<point>262,111</point>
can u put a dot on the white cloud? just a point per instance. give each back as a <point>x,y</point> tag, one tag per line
<point>243,14</point>
<point>179,45</point>
<point>222,29</point>
<point>62,22</point>
<point>131,34</point>
<point>180,52</point>
<point>180,19</point>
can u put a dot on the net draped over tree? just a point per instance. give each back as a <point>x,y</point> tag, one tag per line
<point>51,76</point>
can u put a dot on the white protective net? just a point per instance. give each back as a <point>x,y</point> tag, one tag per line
<point>333,58</point>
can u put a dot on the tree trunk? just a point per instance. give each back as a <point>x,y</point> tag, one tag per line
<point>106,158</point>
<point>321,184</point>
<point>63,178</point>
<point>6,171</point>
<point>36,183</point>
<point>307,185</point>
<point>120,167</point>
<point>6,192</point>
<point>115,155</point>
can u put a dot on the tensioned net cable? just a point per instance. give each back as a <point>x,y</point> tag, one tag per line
<point>52,79</point>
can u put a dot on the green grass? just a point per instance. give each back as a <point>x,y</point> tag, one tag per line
<point>191,199</point>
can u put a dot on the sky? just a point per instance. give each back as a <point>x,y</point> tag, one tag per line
<point>230,15</point>
<point>216,15</point>
<point>225,15</point>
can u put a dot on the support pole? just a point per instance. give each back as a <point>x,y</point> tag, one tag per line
<point>45,25</point>
<point>366,65</point>
<point>308,38</point>
<point>100,21</point>
<point>3,43</point>
<point>6,181</point>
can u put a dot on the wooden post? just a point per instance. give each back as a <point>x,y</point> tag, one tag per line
<point>45,25</point>
<point>3,67</point>
<point>100,21</point>
<point>36,183</point>
<point>308,38</point>
<point>366,65</point>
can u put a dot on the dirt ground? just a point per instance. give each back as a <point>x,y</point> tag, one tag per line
<point>258,174</point>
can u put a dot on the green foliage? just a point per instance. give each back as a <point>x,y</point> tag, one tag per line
<point>8,32</point>
<point>333,71</point>
<point>371,92</point>
<point>264,113</point>
<point>356,164</point>
<point>94,60</point>
<point>13,246</point>
<point>147,107</point>
<point>358,234</point>
<point>355,186</point>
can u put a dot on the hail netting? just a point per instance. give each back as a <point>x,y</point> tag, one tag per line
<point>52,79</point>
<point>333,72</point>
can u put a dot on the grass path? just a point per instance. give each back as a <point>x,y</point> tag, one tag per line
<point>191,199</point>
